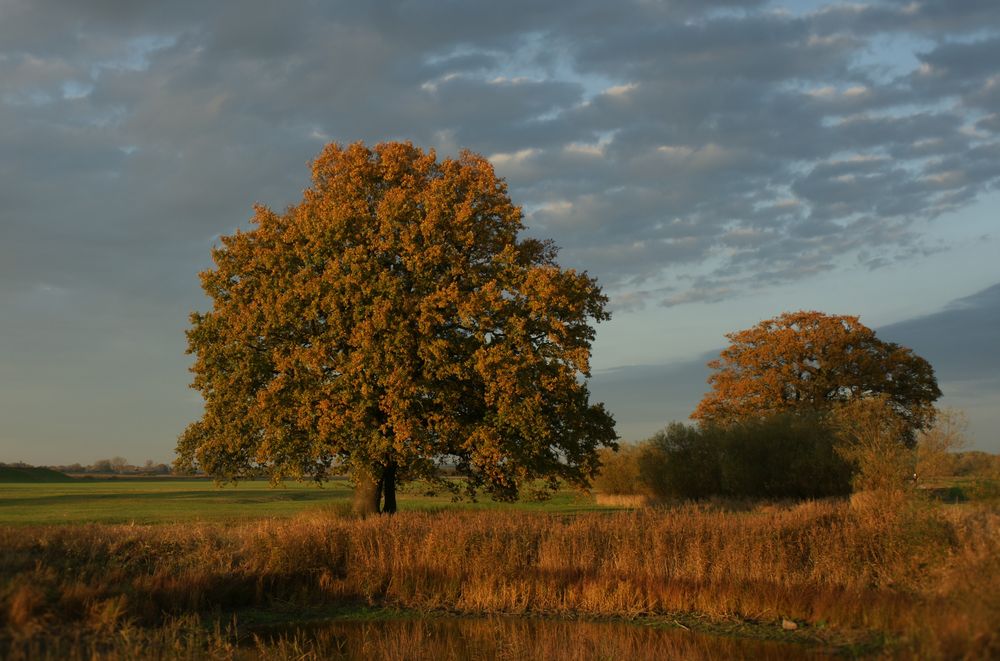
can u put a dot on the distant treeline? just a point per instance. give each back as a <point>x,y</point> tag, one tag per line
<point>974,463</point>
<point>24,473</point>
<point>115,465</point>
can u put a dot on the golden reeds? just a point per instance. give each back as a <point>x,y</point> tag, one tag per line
<point>926,575</point>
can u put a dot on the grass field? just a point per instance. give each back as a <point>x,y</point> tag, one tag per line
<point>142,500</point>
<point>173,500</point>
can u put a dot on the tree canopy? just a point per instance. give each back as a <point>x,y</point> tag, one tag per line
<point>810,361</point>
<point>390,321</point>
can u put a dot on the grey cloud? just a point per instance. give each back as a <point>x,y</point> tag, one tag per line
<point>960,343</point>
<point>231,79</point>
<point>964,59</point>
<point>843,189</point>
<point>895,133</point>
<point>960,340</point>
<point>761,48</point>
<point>925,17</point>
<point>460,63</point>
<point>648,139</point>
<point>989,123</point>
<point>712,293</point>
<point>499,104</point>
<point>645,398</point>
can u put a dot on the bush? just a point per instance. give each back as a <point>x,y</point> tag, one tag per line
<point>785,456</point>
<point>976,463</point>
<point>619,473</point>
<point>937,444</point>
<point>680,462</point>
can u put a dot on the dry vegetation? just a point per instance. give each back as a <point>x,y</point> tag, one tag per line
<point>927,577</point>
<point>410,639</point>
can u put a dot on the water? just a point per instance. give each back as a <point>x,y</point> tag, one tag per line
<point>511,638</point>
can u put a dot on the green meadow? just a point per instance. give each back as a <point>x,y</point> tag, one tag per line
<point>178,500</point>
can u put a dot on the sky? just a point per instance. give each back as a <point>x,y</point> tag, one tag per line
<point>713,164</point>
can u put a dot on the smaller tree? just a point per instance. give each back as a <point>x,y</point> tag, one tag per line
<point>936,445</point>
<point>975,463</point>
<point>619,474</point>
<point>811,361</point>
<point>787,455</point>
<point>681,462</point>
<point>872,438</point>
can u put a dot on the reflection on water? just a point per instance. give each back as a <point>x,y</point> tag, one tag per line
<point>513,638</point>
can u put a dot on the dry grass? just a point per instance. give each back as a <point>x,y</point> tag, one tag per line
<point>929,577</point>
<point>623,500</point>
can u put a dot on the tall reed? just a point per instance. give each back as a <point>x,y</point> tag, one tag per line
<point>930,577</point>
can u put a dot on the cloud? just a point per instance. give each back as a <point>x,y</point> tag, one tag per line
<point>960,343</point>
<point>681,152</point>
<point>645,398</point>
<point>960,340</point>
<point>641,121</point>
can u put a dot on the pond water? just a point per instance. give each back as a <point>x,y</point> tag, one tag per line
<point>514,639</point>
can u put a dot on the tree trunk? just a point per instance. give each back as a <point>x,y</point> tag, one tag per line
<point>377,495</point>
<point>389,488</point>
<point>369,493</point>
<point>366,495</point>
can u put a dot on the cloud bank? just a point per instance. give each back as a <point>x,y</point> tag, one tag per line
<point>681,151</point>
<point>726,144</point>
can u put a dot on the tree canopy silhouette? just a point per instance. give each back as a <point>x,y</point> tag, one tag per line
<point>391,321</point>
<point>810,360</point>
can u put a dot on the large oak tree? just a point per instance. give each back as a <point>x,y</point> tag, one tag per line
<point>391,321</point>
<point>811,361</point>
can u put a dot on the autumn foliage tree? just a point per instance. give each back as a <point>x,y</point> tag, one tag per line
<point>812,361</point>
<point>390,321</point>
